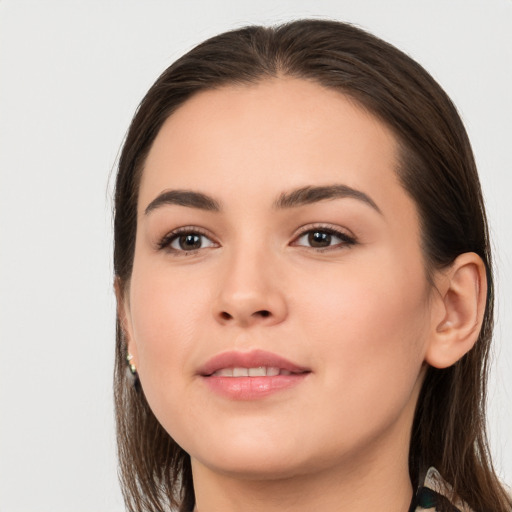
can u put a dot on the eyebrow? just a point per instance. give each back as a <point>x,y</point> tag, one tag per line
<point>308,195</point>
<point>293,199</point>
<point>187,198</point>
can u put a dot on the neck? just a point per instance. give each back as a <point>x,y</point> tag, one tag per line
<point>374,485</point>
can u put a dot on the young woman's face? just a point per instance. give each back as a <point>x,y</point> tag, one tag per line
<point>278,311</point>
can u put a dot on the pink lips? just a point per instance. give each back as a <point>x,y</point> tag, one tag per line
<point>251,387</point>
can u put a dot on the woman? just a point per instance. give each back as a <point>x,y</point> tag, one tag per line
<point>304,283</point>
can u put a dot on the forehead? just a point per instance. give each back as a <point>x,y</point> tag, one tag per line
<point>276,134</point>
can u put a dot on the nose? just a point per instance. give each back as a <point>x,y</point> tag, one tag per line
<point>250,291</point>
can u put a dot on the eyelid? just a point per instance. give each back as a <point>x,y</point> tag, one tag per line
<point>347,237</point>
<point>164,242</point>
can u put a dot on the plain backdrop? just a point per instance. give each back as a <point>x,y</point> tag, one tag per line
<point>71,76</point>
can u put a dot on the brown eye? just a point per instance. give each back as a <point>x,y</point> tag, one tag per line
<point>324,238</point>
<point>319,239</point>
<point>187,241</point>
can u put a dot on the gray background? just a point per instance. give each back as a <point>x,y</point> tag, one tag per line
<point>71,75</point>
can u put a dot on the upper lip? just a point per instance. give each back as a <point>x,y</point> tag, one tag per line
<point>252,359</point>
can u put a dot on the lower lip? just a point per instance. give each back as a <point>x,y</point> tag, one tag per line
<point>252,388</point>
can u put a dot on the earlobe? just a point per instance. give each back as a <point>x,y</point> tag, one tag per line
<point>123,315</point>
<point>462,299</point>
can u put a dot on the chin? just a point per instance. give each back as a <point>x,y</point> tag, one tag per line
<point>263,467</point>
<point>252,457</point>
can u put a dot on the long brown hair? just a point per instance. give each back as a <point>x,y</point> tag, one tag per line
<point>436,168</point>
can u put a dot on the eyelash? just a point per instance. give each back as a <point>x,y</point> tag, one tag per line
<point>346,239</point>
<point>168,239</point>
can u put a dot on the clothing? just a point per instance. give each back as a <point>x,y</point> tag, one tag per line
<point>433,492</point>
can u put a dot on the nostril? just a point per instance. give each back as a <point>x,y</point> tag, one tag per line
<point>263,313</point>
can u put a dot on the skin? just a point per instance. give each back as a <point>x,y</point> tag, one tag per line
<point>361,316</point>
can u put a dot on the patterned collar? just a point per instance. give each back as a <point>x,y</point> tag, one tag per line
<point>435,493</point>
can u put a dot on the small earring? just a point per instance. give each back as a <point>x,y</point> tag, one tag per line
<point>133,368</point>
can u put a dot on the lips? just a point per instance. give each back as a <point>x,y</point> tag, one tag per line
<point>250,375</point>
<point>254,360</point>
<point>260,371</point>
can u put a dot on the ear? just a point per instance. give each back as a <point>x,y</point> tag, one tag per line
<point>124,317</point>
<point>459,310</point>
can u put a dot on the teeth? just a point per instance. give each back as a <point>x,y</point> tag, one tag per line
<point>240,372</point>
<point>225,372</point>
<point>260,371</point>
<point>257,372</point>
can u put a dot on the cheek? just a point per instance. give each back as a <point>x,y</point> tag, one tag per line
<point>383,297</point>
<point>370,327</point>
<point>166,313</point>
